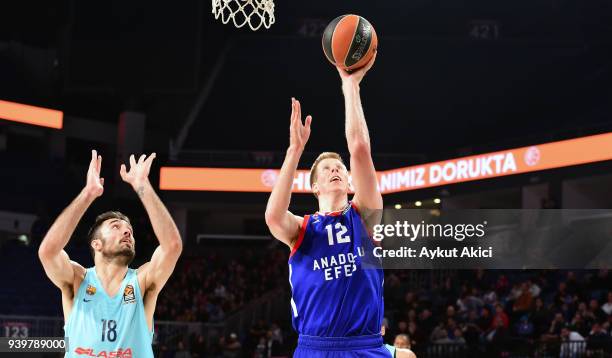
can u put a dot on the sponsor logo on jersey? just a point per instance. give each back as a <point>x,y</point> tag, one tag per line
<point>128,294</point>
<point>90,290</point>
<point>89,352</point>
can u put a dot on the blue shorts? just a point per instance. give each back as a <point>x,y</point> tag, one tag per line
<point>341,347</point>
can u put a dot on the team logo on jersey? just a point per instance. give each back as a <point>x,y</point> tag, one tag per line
<point>90,290</point>
<point>128,294</point>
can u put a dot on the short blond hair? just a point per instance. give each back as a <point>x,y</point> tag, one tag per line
<point>322,156</point>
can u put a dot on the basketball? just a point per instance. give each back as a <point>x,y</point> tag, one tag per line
<point>349,42</point>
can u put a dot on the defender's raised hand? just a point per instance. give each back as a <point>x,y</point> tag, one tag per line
<point>298,132</point>
<point>139,171</point>
<point>94,185</point>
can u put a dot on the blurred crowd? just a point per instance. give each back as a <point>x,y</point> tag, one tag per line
<point>261,340</point>
<point>492,312</point>
<point>486,313</point>
<point>207,289</point>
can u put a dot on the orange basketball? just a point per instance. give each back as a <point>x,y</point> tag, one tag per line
<point>349,41</point>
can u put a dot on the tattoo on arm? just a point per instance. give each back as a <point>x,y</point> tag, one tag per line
<point>140,191</point>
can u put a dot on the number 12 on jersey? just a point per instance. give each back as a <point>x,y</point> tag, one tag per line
<point>341,230</point>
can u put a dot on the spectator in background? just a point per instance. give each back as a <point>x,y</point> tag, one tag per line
<point>540,317</point>
<point>485,321</point>
<point>523,301</point>
<point>165,352</point>
<point>438,334</point>
<point>601,282</point>
<point>497,337</point>
<point>534,289</point>
<point>231,347</point>
<point>277,334</point>
<point>426,321</point>
<point>461,304</point>
<point>417,336</point>
<point>412,316</point>
<point>555,327</point>
<point>578,324</point>
<point>473,300</point>
<point>566,311</point>
<point>607,307</point>
<point>402,328</point>
<point>597,312</point>
<point>402,341</point>
<point>585,313</point>
<point>447,292</point>
<point>573,286</point>
<point>393,290</point>
<point>524,328</point>
<point>490,297</point>
<point>599,339</point>
<point>562,296</point>
<point>469,301</point>
<point>450,313</point>
<point>256,332</point>
<point>500,317</point>
<point>457,337</point>
<point>410,301</point>
<point>572,344</point>
<point>220,290</point>
<point>198,346</point>
<point>260,349</point>
<point>471,330</point>
<point>451,325</point>
<point>502,286</point>
<point>481,280</point>
<point>515,292</point>
<point>181,352</point>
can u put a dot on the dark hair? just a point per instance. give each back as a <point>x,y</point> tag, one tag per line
<point>100,219</point>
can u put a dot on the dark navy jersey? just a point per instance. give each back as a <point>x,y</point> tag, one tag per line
<point>333,294</point>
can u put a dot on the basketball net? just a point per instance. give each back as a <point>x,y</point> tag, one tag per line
<point>253,12</point>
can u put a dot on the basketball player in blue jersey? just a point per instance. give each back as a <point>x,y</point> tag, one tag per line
<point>337,305</point>
<point>108,308</point>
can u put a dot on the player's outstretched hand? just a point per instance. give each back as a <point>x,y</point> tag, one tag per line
<point>94,185</point>
<point>298,132</point>
<point>139,171</point>
<point>356,76</point>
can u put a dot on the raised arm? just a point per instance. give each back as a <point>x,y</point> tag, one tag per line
<point>363,172</point>
<point>282,223</point>
<point>164,258</point>
<point>54,259</point>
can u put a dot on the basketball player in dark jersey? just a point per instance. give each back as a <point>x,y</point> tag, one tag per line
<point>337,305</point>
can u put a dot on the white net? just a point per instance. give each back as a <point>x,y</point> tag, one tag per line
<point>256,13</point>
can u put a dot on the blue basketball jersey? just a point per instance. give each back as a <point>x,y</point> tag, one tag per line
<point>333,295</point>
<point>103,326</point>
